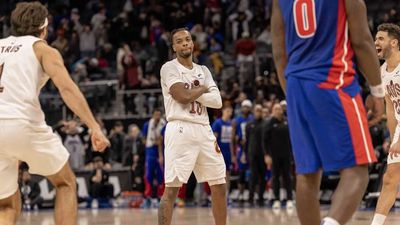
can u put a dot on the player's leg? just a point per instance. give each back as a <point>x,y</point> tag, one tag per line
<point>10,209</point>
<point>305,152</point>
<point>167,203</point>
<point>66,204</point>
<point>349,192</point>
<point>345,146</point>
<point>307,201</point>
<point>218,198</point>
<point>391,181</point>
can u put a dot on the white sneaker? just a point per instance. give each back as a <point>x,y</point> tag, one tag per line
<point>289,205</point>
<point>276,204</point>
<point>95,204</point>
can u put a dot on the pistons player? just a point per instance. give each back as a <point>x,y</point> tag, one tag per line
<point>190,144</point>
<point>316,45</point>
<point>387,46</point>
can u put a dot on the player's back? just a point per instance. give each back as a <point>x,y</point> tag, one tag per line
<point>21,78</point>
<point>317,41</point>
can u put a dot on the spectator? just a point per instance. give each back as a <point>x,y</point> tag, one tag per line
<point>117,137</point>
<point>255,155</point>
<point>61,43</point>
<point>100,188</point>
<point>30,191</point>
<point>87,42</point>
<point>277,146</point>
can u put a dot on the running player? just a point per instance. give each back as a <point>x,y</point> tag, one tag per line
<point>387,44</point>
<point>190,145</point>
<point>315,47</point>
<point>26,63</point>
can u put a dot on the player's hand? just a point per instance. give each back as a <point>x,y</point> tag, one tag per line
<point>243,158</point>
<point>394,151</point>
<point>268,161</point>
<point>99,141</point>
<point>377,107</point>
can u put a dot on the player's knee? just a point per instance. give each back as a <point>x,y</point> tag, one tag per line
<point>390,178</point>
<point>170,193</point>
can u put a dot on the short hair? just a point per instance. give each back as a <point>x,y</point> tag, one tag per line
<point>118,124</point>
<point>392,29</point>
<point>174,31</point>
<point>27,19</point>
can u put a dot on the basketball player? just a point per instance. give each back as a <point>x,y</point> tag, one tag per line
<point>387,45</point>
<point>26,63</point>
<point>222,128</point>
<point>315,47</point>
<point>190,145</point>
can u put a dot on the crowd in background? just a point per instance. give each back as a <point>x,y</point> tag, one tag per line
<point>129,40</point>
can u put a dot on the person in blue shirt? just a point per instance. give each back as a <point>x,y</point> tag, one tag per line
<point>238,143</point>
<point>222,129</point>
<point>152,134</point>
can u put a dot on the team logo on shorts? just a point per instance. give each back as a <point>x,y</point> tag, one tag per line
<point>217,149</point>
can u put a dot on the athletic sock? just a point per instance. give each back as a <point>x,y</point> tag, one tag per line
<point>379,219</point>
<point>329,221</point>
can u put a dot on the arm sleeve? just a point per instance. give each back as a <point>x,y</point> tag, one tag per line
<point>212,98</point>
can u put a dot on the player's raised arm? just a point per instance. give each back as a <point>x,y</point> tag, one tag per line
<point>278,41</point>
<point>53,65</point>
<point>212,98</point>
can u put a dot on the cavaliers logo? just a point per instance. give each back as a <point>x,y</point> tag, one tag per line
<point>196,83</point>
<point>217,149</point>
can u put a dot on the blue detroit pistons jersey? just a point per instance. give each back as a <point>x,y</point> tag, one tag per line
<point>318,43</point>
<point>224,130</point>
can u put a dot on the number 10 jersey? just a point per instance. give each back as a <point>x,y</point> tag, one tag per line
<point>173,72</point>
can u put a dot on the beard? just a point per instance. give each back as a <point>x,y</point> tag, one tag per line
<point>185,54</point>
<point>385,53</point>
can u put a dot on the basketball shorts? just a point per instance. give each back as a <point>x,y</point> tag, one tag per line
<point>395,140</point>
<point>192,147</point>
<point>37,145</point>
<point>328,127</point>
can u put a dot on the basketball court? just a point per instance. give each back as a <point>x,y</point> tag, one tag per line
<point>189,216</point>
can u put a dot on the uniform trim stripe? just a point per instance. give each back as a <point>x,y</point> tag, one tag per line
<point>358,126</point>
<point>341,72</point>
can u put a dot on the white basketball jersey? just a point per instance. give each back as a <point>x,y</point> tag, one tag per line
<point>21,78</point>
<point>173,72</point>
<point>392,87</point>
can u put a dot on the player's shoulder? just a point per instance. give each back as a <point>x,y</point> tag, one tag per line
<point>169,66</point>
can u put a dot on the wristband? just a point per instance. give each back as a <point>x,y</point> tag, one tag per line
<point>377,91</point>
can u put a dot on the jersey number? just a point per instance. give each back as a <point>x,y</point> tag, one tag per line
<point>196,107</point>
<point>1,73</point>
<point>304,18</point>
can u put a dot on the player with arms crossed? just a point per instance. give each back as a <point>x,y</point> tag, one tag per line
<point>315,45</point>
<point>190,144</point>
<point>387,44</point>
<point>26,63</point>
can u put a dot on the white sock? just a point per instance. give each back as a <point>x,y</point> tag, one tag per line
<point>379,219</point>
<point>329,221</point>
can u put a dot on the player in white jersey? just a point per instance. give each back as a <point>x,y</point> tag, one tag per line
<point>26,63</point>
<point>190,144</point>
<point>387,44</point>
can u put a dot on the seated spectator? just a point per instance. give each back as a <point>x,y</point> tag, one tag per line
<point>99,186</point>
<point>30,191</point>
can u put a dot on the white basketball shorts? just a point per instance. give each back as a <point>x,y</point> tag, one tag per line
<point>192,147</point>
<point>37,145</point>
